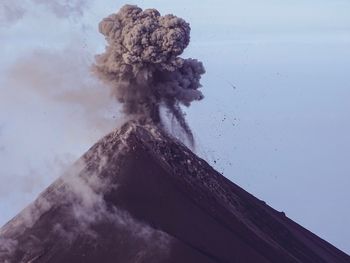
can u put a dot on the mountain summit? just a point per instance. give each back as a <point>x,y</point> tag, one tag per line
<point>139,195</point>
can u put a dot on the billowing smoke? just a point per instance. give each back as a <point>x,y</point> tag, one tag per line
<point>142,65</point>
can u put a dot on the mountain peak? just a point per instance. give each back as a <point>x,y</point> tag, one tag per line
<point>140,195</point>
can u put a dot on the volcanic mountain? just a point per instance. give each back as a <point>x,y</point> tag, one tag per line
<point>139,195</point>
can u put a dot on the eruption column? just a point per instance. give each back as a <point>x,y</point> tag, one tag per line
<point>142,65</point>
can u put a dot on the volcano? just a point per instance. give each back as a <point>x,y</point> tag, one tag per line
<point>139,195</point>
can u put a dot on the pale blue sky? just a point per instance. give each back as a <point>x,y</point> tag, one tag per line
<point>282,133</point>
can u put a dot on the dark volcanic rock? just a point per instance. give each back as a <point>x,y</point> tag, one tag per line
<point>139,195</point>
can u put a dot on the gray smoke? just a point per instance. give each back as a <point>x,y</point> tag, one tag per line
<point>65,8</point>
<point>142,65</point>
<point>10,13</point>
<point>13,10</point>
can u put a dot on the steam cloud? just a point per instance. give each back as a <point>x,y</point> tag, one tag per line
<point>142,65</point>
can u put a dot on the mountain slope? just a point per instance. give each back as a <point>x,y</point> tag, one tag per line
<point>138,195</point>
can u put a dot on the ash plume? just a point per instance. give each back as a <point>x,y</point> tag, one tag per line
<point>142,65</point>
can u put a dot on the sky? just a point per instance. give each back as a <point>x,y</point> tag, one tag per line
<point>274,119</point>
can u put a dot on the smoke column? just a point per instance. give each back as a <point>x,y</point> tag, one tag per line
<point>142,65</point>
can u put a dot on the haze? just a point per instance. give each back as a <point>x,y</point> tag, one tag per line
<point>274,119</point>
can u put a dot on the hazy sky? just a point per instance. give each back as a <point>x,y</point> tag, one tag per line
<point>275,119</point>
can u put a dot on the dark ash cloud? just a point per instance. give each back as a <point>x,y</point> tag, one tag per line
<point>142,65</point>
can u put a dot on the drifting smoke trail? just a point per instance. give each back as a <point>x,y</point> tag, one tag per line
<point>142,64</point>
<point>65,8</point>
<point>13,10</point>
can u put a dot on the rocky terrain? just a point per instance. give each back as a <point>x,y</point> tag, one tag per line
<point>139,195</point>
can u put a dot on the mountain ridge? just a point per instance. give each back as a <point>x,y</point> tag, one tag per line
<point>158,202</point>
